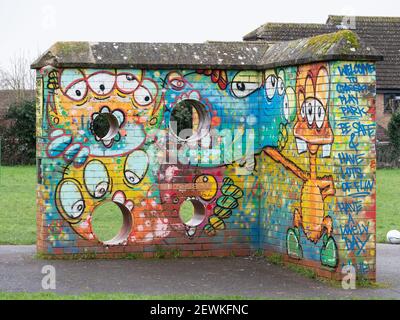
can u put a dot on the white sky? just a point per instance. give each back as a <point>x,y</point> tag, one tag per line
<point>33,26</point>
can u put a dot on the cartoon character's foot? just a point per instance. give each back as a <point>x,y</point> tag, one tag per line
<point>329,252</point>
<point>293,245</point>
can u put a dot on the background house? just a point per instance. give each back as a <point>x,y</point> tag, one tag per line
<point>9,98</point>
<point>381,33</point>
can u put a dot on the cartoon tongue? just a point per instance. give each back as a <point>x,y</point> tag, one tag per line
<point>301,145</point>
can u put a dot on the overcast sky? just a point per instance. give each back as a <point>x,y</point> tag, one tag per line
<point>33,26</point>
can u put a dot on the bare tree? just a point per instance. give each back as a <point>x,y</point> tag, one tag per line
<point>18,77</point>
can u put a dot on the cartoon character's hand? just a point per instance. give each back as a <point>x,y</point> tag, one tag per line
<point>63,145</point>
<point>228,201</point>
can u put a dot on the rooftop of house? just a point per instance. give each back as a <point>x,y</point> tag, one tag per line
<point>381,33</point>
<point>258,55</point>
<point>10,97</point>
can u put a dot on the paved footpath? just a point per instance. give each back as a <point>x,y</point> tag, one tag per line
<point>250,277</point>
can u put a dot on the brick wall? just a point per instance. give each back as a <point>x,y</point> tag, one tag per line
<point>248,185</point>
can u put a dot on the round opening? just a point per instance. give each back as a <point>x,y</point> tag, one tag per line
<point>192,212</point>
<point>105,126</point>
<point>189,120</point>
<point>111,223</point>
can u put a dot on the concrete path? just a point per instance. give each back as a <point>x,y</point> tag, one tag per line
<point>251,277</point>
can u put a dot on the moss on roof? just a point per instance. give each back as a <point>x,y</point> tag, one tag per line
<point>70,47</point>
<point>324,42</point>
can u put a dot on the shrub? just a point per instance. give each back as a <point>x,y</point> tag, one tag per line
<point>394,130</point>
<point>18,141</point>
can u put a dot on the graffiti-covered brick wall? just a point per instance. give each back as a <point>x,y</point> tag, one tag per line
<point>318,185</point>
<point>280,160</point>
<point>143,165</point>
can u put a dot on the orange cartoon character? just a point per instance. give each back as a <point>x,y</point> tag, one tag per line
<point>313,134</point>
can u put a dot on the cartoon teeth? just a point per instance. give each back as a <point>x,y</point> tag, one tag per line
<point>301,145</point>
<point>120,198</point>
<point>326,150</point>
<point>192,95</point>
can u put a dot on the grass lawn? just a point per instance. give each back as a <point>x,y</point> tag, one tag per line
<point>109,296</point>
<point>388,202</point>
<point>18,206</point>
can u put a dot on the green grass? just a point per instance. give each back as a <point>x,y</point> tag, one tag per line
<point>108,296</point>
<point>388,202</point>
<point>186,211</point>
<point>18,205</point>
<point>107,221</point>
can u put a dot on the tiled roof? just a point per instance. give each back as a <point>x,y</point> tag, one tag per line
<point>222,55</point>
<point>381,33</point>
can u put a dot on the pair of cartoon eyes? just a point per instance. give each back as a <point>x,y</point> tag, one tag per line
<point>272,85</point>
<point>97,183</point>
<point>313,110</point>
<point>102,83</point>
<point>76,209</point>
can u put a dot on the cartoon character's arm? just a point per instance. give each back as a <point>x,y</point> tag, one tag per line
<point>278,157</point>
<point>327,186</point>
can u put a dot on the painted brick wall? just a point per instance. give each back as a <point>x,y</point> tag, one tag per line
<point>241,170</point>
<point>318,187</point>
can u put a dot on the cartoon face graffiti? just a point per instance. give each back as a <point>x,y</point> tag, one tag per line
<point>270,101</point>
<point>312,129</point>
<point>103,111</point>
<point>83,189</point>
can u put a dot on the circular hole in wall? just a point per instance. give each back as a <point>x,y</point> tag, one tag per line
<point>105,126</point>
<point>192,212</point>
<point>111,223</point>
<point>189,120</point>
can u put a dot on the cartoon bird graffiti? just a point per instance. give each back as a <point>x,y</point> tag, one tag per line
<point>313,133</point>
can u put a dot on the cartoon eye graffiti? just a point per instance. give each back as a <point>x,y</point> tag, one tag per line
<point>96,179</point>
<point>319,114</point>
<point>281,87</point>
<point>127,82</point>
<point>145,93</point>
<point>70,200</point>
<point>303,110</point>
<point>136,166</point>
<point>270,86</point>
<point>309,112</point>
<point>176,81</point>
<point>101,189</point>
<point>77,91</point>
<point>243,89</point>
<point>101,83</point>
<point>286,108</point>
<point>73,84</point>
<point>244,83</point>
<point>132,177</point>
